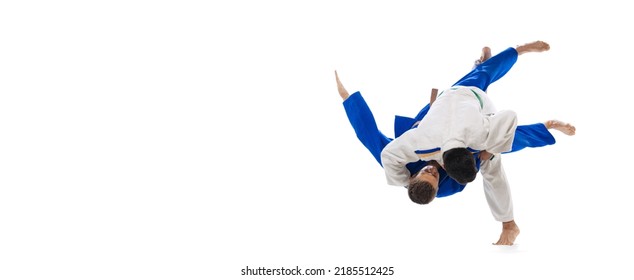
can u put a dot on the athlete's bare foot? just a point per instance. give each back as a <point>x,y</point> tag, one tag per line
<point>342,91</point>
<point>566,128</point>
<point>537,46</point>
<point>510,231</point>
<point>486,54</point>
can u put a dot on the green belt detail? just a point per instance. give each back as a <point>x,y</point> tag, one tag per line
<point>479,99</point>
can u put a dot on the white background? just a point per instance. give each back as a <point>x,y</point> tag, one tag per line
<point>191,139</point>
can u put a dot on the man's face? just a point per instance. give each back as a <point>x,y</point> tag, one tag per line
<point>430,174</point>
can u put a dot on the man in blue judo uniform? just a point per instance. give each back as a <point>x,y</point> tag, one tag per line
<point>431,174</point>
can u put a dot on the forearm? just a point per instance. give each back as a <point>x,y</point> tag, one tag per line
<point>394,159</point>
<point>396,173</point>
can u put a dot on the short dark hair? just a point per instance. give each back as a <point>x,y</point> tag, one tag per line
<point>421,192</point>
<point>460,165</point>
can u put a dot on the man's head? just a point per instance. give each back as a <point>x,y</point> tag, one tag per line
<point>423,186</point>
<point>460,165</point>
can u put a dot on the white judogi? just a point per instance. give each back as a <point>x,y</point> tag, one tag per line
<point>497,189</point>
<point>460,117</point>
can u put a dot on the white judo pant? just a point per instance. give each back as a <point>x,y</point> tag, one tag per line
<point>497,189</point>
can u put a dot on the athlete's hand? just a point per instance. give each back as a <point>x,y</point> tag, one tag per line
<point>484,155</point>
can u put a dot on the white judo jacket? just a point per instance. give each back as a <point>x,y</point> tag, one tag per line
<point>461,117</point>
